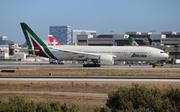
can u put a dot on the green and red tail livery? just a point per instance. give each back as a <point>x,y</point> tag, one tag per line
<point>35,43</point>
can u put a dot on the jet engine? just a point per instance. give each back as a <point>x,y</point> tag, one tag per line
<point>106,60</point>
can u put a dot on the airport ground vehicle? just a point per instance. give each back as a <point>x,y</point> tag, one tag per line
<point>158,63</point>
<point>176,61</point>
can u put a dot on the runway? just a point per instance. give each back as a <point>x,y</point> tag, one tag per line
<point>92,79</point>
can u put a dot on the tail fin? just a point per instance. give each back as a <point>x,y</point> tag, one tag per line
<point>32,39</point>
<point>35,43</point>
<point>132,41</point>
<point>151,42</point>
<point>53,41</point>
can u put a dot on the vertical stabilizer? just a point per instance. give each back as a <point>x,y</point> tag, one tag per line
<point>151,42</point>
<point>53,41</point>
<point>35,44</point>
<point>132,41</point>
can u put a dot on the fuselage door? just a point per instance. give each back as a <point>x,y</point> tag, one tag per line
<point>125,53</point>
<point>149,54</point>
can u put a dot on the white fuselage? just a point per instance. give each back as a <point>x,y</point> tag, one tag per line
<point>122,53</point>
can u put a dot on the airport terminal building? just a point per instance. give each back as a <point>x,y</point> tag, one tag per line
<point>75,33</point>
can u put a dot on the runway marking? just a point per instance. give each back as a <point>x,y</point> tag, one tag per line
<point>94,79</point>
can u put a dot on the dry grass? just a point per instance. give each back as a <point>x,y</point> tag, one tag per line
<point>86,104</point>
<point>81,87</point>
<point>92,72</point>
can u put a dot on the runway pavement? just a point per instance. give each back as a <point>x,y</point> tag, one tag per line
<point>90,79</point>
<point>39,65</point>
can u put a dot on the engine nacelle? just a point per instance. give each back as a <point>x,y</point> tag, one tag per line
<point>106,60</point>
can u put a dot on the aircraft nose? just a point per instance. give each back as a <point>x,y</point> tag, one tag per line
<point>166,55</point>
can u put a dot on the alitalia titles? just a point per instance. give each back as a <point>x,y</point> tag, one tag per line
<point>139,55</point>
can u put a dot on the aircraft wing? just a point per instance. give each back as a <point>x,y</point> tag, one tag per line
<point>81,53</point>
<point>26,49</point>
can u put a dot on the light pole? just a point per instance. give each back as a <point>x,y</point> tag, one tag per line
<point>152,31</point>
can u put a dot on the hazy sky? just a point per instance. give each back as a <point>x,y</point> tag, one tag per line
<point>103,16</point>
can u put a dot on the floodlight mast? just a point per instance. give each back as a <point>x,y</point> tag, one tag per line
<point>152,31</point>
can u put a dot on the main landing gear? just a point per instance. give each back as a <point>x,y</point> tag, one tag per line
<point>91,65</point>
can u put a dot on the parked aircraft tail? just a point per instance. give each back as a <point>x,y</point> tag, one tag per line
<point>132,41</point>
<point>53,41</point>
<point>151,42</point>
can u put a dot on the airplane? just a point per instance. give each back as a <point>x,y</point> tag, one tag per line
<point>53,41</point>
<point>132,41</point>
<point>95,56</point>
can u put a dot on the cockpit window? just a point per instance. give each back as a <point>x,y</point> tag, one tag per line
<point>162,52</point>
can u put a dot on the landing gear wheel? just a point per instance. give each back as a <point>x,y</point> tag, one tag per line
<point>98,65</point>
<point>91,65</point>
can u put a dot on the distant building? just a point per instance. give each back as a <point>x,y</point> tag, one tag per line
<point>61,33</point>
<point>4,52</point>
<point>4,41</point>
<point>90,33</point>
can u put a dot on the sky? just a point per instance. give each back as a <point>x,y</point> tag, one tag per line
<point>104,16</point>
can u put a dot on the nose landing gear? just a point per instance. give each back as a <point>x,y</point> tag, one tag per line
<point>156,64</point>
